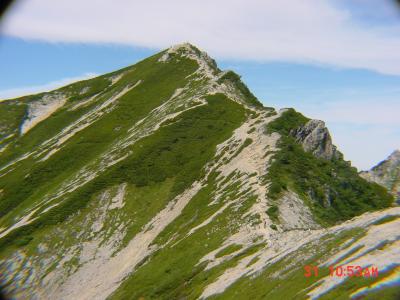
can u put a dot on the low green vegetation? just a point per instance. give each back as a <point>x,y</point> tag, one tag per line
<point>235,79</point>
<point>289,120</point>
<point>285,277</point>
<point>253,261</point>
<point>387,293</point>
<point>30,180</point>
<point>251,130</point>
<point>386,219</point>
<point>87,88</point>
<point>176,268</point>
<point>273,213</point>
<point>228,250</point>
<point>246,143</point>
<point>332,188</point>
<point>157,168</point>
<point>352,284</point>
<point>177,151</point>
<point>11,114</point>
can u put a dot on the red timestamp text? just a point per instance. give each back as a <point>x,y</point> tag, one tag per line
<point>343,271</point>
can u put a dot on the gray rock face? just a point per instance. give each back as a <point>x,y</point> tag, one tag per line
<point>315,138</point>
<point>387,174</point>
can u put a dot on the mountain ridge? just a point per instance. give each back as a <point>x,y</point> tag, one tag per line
<point>386,173</point>
<point>168,179</point>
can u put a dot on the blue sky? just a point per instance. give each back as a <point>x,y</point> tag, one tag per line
<point>338,61</point>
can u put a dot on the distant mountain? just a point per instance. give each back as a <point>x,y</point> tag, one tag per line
<point>387,174</point>
<point>168,179</point>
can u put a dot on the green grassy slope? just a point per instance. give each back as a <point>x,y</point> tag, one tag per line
<point>182,121</point>
<point>332,188</point>
<point>11,114</point>
<point>30,179</point>
<point>177,151</point>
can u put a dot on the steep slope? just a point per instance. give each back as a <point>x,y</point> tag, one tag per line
<point>169,180</point>
<point>387,174</point>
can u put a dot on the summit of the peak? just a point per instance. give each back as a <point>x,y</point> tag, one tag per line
<point>188,50</point>
<point>394,156</point>
<point>185,46</point>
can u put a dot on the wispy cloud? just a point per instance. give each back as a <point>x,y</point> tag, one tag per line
<point>379,112</point>
<point>29,90</point>
<point>312,31</point>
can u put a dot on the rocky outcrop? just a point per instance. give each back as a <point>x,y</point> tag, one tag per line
<point>387,174</point>
<point>42,109</point>
<point>315,138</point>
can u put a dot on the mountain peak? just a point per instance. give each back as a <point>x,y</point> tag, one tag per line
<point>386,173</point>
<point>146,181</point>
<point>207,65</point>
<point>393,160</point>
<point>395,155</point>
<point>185,49</point>
<point>184,46</point>
<point>216,81</point>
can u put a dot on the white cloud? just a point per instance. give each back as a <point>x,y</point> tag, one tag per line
<point>29,90</point>
<point>314,31</point>
<point>379,112</point>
